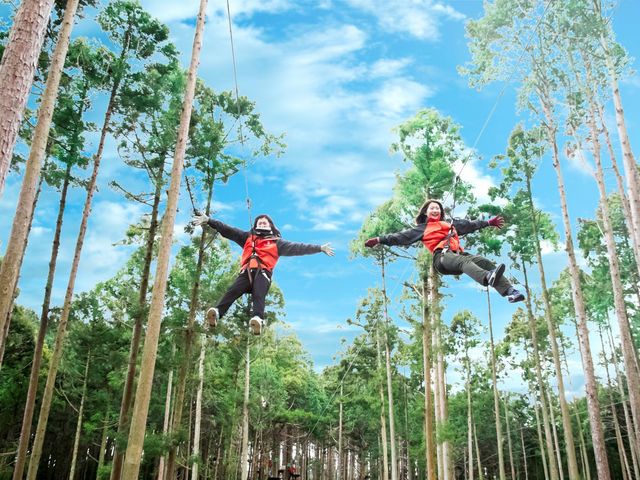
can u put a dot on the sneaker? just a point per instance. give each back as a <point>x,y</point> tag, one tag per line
<point>515,296</point>
<point>494,275</point>
<point>255,325</point>
<point>212,317</point>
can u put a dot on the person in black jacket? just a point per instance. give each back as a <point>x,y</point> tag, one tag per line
<point>261,249</point>
<point>449,258</point>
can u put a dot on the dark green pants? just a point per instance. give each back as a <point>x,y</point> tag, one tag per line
<point>477,267</point>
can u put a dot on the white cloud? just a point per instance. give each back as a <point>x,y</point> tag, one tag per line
<point>387,67</point>
<point>419,18</point>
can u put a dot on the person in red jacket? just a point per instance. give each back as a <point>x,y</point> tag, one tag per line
<point>261,249</point>
<point>449,258</point>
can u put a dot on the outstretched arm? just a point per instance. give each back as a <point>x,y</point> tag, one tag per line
<point>292,249</point>
<point>232,233</point>
<point>464,227</point>
<point>405,237</point>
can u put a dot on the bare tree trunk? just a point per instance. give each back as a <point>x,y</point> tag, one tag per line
<point>426,360</point>
<point>593,404</point>
<point>406,432</point>
<point>545,468</point>
<point>553,470</point>
<point>556,441</point>
<point>509,444</point>
<point>583,448</point>
<point>103,441</point>
<point>147,367</point>
<point>383,420</point>
<point>196,429</point>
<point>27,417</point>
<point>339,477</point>
<point>469,414</point>
<point>628,350</point>
<point>496,395</point>
<point>16,76</point>
<point>76,441</point>
<point>188,342</point>
<point>66,308</point>
<point>392,427</point>
<point>633,446</point>
<point>244,465</point>
<point>127,394</point>
<point>548,315</point>
<point>165,423</point>
<point>524,455</point>
<point>17,70</point>
<point>475,437</point>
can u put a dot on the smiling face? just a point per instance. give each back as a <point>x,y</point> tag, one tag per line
<point>433,211</point>
<point>262,223</point>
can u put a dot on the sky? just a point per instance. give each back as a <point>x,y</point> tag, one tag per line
<point>336,76</point>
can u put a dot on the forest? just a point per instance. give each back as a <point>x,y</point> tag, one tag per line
<point>125,380</point>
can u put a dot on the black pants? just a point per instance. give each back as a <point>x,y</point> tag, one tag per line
<point>258,289</point>
<point>477,267</point>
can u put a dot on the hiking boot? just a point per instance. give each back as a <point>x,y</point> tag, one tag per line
<point>255,325</point>
<point>494,275</point>
<point>212,317</point>
<point>515,296</point>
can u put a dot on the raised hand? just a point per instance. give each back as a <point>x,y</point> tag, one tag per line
<point>326,249</point>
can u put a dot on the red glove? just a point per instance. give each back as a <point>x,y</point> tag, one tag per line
<point>496,221</point>
<point>372,242</point>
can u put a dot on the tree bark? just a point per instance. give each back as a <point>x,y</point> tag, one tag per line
<point>165,423</point>
<point>143,392</point>
<point>496,395</point>
<point>244,456</point>
<point>76,441</point>
<point>556,441</point>
<point>545,467</point>
<point>383,420</point>
<point>426,361</point>
<point>591,388</point>
<point>127,394</point>
<point>509,443</point>
<point>16,80</point>
<point>339,476</point>
<point>17,70</point>
<point>570,448</point>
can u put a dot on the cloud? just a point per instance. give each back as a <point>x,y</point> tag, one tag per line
<point>418,18</point>
<point>388,67</point>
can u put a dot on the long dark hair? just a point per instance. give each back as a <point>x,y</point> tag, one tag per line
<point>274,230</point>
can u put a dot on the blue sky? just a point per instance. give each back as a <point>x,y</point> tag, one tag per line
<point>336,76</point>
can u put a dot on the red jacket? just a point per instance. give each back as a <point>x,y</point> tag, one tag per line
<point>267,248</point>
<point>433,234</point>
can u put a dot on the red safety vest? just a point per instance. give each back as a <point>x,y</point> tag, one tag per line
<point>435,236</point>
<point>266,250</point>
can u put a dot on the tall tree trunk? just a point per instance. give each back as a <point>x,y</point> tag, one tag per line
<point>469,413</point>
<point>188,341</point>
<point>496,394</point>
<point>627,417</point>
<point>244,456</point>
<point>165,423</point>
<point>76,441</point>
<point>509,444</point>
<point>392,427</point>
<point>524,455</point>
<point>570,448</point>
<point>17,71</point>
<point>383,420</point>
<point>426,362</point>
<point>103,440</point>
<point>556,440</point>
<point>475,437</point>
<point>7,322</point>
<point>27,417</point>
<point>624,461</point>
<point>553,469</point>
<point>545,467</point>
<point>629,162</point>
<point>147,367</point>
<point>141,310</point>
<point>628,350</point>
<point>339,476</point>
<point>66,308</point>
<point>624,199</point>
<point>406,432</point>
<point>591,388</point>
<point>16,75</point>
<point>583,448</point>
